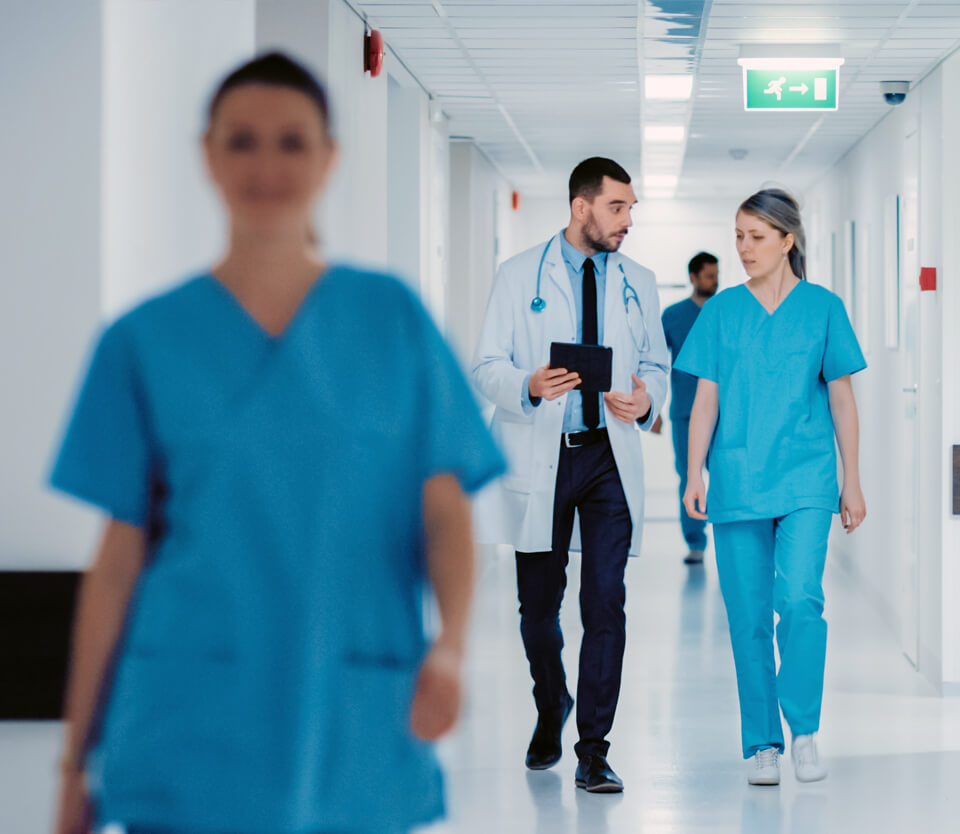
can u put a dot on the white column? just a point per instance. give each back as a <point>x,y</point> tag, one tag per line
<point>162,61</point>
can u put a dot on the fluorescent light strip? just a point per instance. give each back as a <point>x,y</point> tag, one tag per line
<point>664,133</point>
<point>668,87</point>
<point>664,181</point>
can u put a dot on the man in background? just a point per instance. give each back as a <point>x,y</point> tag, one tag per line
<point>677,320</point>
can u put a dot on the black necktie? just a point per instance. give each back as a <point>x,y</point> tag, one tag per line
<point>591,400</point>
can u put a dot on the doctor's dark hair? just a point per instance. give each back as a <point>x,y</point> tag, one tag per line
<point>586,180</point>
<point>778,208</point>
<point>278,70</point>
<point>699,261</point>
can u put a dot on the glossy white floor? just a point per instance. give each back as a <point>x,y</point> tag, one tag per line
<point>892,745</point>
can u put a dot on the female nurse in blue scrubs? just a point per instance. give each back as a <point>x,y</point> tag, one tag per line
<point>297,438</point>
<point>774,358</point>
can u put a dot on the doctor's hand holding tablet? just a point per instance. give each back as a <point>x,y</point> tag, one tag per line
<point>552,383</point>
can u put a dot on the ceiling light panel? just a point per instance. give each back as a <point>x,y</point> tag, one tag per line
<point>668,87</point>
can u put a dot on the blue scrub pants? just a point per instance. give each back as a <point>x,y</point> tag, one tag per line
<point>587,481</point>
<point>776,564</point>
<point>694,530</point>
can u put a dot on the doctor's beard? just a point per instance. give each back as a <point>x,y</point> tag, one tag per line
<point>592,236</point>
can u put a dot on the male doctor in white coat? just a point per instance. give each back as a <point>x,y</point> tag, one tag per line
<point>572,450</point>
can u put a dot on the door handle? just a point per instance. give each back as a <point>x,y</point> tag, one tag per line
<point>911,390</point>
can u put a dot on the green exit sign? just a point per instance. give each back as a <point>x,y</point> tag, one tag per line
<point>790,89</point>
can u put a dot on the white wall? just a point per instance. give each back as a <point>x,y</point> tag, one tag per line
<point>49,261</point>
<point>917,599</point>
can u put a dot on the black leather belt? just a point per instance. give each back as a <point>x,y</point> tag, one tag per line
<point>575,439</point>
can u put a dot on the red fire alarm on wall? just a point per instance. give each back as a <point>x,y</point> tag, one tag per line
<point>928,278</point>
<point>515,200</point>
<point>373,52</point>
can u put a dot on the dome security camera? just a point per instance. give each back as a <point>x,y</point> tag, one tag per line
<point>894,92</point>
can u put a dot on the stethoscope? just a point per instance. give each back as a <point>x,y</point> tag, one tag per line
<point>538,305</point>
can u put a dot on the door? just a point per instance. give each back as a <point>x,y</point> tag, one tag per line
<point>909,388</point>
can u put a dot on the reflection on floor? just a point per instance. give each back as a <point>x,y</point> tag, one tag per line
<point>892,745</point>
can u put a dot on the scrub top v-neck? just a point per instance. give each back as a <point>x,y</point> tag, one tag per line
<point>773,449</point>
<point>275,634</point>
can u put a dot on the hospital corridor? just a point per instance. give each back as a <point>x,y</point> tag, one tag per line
<point>479,417</point>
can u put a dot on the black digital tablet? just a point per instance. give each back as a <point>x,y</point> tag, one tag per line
<point>594,363</point>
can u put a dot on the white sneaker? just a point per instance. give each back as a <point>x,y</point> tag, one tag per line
<point>765,767</point>
<point>806,759</point>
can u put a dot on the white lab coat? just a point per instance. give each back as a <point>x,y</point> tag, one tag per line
<point>517,509</point>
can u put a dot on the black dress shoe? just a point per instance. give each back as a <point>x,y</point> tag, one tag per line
<point>594,774</point>
<point>545,748</point>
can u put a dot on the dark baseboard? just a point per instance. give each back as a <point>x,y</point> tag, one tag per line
<point>36,614</point>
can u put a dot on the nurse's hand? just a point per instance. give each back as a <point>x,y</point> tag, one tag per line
<point>436,704</point>
<point>853,509</point>
<point>74,811</point>
<point>551,383</point>
<point>628,408</point>
<point>696,493</point>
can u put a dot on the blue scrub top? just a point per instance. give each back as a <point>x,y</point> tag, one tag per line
<point>773,449</point>
<point>274,637</point>
<point>677,320</point>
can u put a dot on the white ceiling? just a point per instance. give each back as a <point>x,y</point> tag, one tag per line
<point>540,84</point>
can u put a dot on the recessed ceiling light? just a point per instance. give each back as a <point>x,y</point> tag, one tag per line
<point>659,181</point>
<point>664,133</point>
<point>659,193</point>
<point>670,87</point>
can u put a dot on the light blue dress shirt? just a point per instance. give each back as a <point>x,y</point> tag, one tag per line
<point>573,258</point>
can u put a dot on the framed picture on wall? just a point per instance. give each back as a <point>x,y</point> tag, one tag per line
<point>891,271</point>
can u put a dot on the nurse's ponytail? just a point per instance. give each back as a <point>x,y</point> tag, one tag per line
<point>778,208</point>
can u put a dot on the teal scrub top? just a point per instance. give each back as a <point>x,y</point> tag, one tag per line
<point>677,321</point>
<point>273,640</point>
<point>773,448</point>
